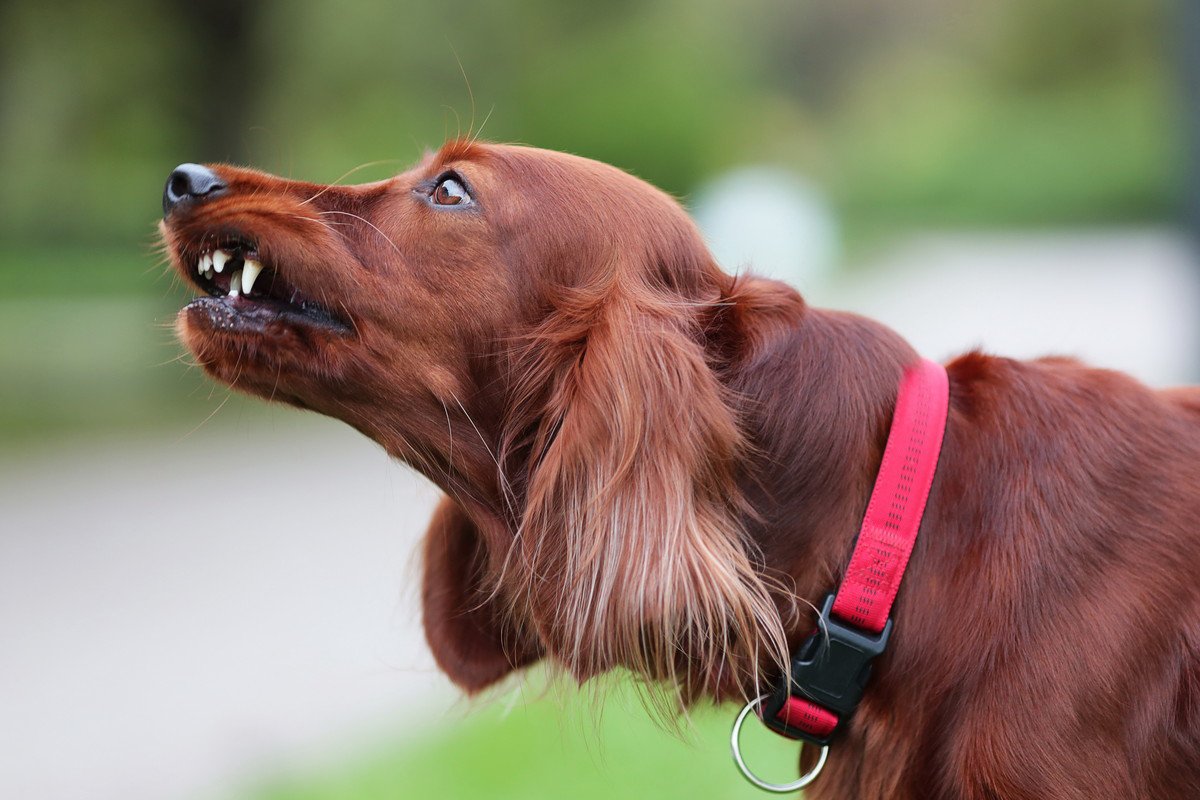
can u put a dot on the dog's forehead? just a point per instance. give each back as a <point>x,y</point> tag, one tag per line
<point>522,165</point>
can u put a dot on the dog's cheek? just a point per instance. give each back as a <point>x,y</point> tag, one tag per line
<point>472,639</point>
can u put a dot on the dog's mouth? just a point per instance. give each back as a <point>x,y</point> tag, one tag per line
<point>245,292</point>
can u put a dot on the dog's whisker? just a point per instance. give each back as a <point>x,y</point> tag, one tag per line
<point>505,488</point>
<point>370,225</point>
<point>337,181</point>
<point>204,421</point>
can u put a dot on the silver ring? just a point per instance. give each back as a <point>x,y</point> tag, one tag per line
<point>778,788</point>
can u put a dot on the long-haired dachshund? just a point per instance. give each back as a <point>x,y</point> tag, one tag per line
<point>652,465</point>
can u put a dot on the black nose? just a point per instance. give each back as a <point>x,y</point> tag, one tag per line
<point>190,182</point>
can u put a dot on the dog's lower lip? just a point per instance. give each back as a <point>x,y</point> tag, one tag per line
<point>238,314</point>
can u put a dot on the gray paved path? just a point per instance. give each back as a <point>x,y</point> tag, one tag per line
<point>179,615</point>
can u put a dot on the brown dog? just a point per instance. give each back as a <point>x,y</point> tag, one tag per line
<point>647,462</point>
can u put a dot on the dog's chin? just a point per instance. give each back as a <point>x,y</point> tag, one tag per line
<point>263,349</point>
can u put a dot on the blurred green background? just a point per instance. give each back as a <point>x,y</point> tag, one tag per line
<point>908,114</point>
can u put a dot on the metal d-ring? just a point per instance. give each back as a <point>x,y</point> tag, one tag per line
<point>778,788</point>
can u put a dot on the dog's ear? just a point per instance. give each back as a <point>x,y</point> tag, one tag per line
<point>467,626</point>
<point>631,536</point>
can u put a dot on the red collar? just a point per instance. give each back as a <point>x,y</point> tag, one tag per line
<point>830,670</point>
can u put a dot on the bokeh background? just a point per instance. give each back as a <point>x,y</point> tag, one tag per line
<point>203,597</point>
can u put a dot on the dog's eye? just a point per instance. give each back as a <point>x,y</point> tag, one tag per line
<point>450,192</point>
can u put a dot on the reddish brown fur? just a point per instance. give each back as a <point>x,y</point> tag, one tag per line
<point>641,452</point>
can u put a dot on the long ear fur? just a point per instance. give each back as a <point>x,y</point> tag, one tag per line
<point>468,628</point>
<point>630,541</point>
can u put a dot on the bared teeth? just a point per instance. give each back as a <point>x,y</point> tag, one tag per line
<point>250,272</point>
<point>243,272</point>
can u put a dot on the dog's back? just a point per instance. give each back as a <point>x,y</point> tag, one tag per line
<point>1052,625</point>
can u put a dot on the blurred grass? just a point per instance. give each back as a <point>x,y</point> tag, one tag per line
<point>1004,113</point>
<point>1024,113</point>
<point>970,158</point>
<point>549,748</point>
<point>85,340</point>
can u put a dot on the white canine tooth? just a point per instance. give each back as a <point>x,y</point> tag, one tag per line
<point>235,283</point>
<point>250,272</point>
<point>219,258</point>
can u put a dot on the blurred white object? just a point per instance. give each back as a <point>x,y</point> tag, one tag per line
<point>769,221</point>
<point>1123,299</point>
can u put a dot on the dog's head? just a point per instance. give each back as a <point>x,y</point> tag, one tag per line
<point>546,338</point>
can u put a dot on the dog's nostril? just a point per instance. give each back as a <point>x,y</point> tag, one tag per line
<point>190,182</point>
<point>179,185</point>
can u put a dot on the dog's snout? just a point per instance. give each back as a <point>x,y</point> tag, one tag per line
<point>190,182</point>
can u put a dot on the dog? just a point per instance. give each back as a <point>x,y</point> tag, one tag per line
<point>651,465</point>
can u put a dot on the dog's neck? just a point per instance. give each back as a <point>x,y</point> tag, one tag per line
<point>818,388</point>
<point>818,441</point>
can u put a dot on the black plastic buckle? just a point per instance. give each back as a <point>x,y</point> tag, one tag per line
<point>831,668</point>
